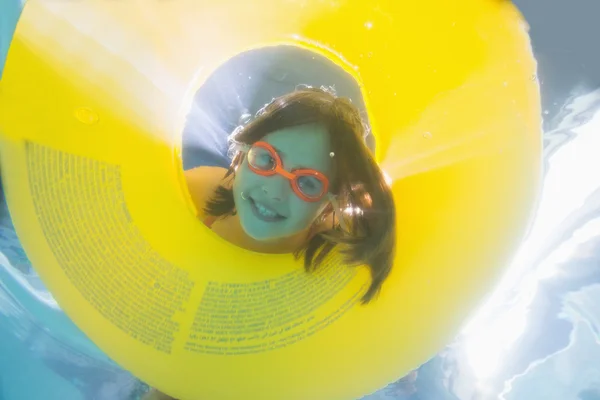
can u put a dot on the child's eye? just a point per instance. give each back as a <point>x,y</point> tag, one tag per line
<point>310,185</point>
<point>261,158</point>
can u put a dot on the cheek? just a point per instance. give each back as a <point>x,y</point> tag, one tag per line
<point>243,179</point>
<point>303,213</point>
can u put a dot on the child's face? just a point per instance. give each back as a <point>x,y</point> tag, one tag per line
<point>269,208</point>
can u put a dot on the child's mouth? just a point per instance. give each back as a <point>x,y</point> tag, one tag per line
<point>264,213</point>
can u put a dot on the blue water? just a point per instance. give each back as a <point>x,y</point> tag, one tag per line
<point>536,337</point>
<point>44,355</point>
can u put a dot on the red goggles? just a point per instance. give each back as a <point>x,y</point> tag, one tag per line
<point>308,184</point>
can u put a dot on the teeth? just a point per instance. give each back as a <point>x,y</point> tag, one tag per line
<point>262,210</point>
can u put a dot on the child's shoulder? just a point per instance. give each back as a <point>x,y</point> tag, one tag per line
<point>202,182</point>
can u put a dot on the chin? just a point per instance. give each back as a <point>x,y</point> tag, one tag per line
<point>261,235</point>
<point>255,232</point>
<point>262,238</point>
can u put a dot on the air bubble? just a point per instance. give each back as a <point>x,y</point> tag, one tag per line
<point>368,25</point>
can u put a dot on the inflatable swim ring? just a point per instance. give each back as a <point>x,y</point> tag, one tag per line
<point>90,151</point>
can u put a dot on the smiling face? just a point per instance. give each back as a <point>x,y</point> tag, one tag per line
<point>268,207</point>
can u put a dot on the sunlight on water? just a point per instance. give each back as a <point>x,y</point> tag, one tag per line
<point>564,222</point>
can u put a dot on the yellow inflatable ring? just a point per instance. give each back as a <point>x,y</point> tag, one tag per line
<point>92,99</point>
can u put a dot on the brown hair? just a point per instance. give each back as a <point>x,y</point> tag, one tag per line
<point>358,184</point>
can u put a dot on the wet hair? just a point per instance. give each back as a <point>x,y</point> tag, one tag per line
<point>359,184</point>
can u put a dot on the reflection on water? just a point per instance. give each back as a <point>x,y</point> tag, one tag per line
<point>541,310</point>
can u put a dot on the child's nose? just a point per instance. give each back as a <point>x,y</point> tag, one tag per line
<point>276,187</point>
